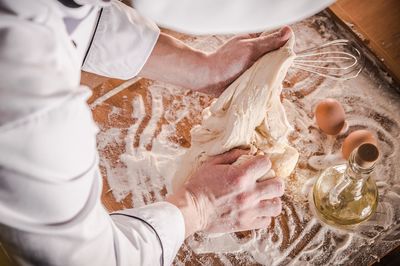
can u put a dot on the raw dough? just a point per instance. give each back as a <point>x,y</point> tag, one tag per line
<point>248,114</point>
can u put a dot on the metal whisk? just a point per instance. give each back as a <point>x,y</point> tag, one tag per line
<point>340,60</point>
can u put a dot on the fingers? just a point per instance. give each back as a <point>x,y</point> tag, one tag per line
<point>257,223</point>
<point>266,190</point>
<point>286,32</point>
<point>270,208</point>
<point>246,36</point>
<point>270,42</point>
<point>267,208</point>
<point>285,29</point>
<point>271,174</point>
<point>270,188</point>
<point>256,167</point>
<point>228,157</point>
<point>261,222</point>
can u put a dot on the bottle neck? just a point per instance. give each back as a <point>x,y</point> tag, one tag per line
<point>358,175</point>
<point>355,171</point>
<point>353,180</point>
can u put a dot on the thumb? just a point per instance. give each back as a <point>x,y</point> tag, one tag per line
<point>228,157</point>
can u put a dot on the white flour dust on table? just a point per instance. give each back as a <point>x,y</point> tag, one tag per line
<point>138,159</point>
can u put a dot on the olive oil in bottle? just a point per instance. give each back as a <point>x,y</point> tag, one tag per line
<point>345,195</point>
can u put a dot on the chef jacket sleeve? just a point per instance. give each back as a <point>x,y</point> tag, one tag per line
<point>162,219</point>
<point>122,42</point>
<point>50,183</point>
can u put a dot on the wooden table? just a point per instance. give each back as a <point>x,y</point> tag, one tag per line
<point>377,25</point>
<point>294,233</point>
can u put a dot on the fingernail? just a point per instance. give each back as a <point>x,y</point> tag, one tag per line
<point>283,31</point>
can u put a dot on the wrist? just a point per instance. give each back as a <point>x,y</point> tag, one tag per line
<point>194,218</point>
<point>213,70</point>
<point>204,75</point>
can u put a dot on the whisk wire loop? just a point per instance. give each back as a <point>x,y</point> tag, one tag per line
<point>339,59</point>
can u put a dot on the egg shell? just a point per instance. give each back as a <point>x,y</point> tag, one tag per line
<point>355,139</point>
<point>330,116</point>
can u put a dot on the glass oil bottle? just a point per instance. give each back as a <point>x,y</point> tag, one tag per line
<point>346,195</point>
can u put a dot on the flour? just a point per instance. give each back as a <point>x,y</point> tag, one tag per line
<point>137,158</point>
<point>149,154</point>
<point>252,116</point>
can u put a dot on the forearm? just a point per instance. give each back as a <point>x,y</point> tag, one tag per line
<point>174,62</point>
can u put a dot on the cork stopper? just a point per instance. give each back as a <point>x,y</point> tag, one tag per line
<point>366,155</point>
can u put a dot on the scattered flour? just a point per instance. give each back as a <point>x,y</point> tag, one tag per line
<point>139,159</point>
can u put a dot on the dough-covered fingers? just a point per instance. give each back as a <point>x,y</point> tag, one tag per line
<point>270,188</point>
<point>267,208</point>
<point>256,223</point>
<point>261,222</point>
<point>266,43</point>
<point>246,199</point>
<point>245,36</point>
<point>270,208</point>
<point>256,167</point>
<point>228,157</point>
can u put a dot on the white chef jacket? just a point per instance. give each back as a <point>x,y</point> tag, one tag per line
<point>50,185</point>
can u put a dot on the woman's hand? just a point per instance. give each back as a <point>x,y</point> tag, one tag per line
<point>220,197</point>
<point>174,62</point>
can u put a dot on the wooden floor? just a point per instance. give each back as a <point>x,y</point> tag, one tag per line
<point>377,24</point>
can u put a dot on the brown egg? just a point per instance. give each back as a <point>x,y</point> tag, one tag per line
<point>355,139</point>
<point>330,116</point>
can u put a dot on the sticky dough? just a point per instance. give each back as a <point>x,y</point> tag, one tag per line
<point>249,113</point>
